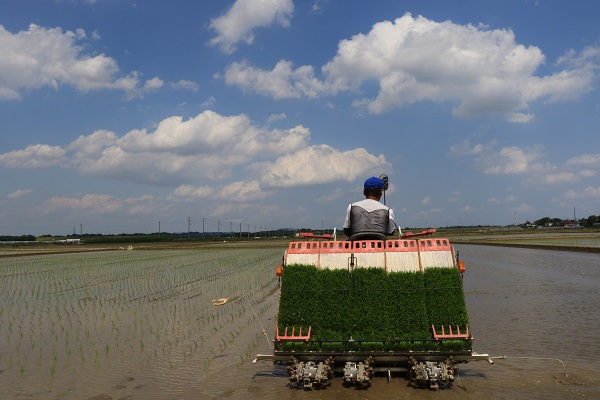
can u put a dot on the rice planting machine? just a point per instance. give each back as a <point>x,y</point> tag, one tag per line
<point>353,309</point>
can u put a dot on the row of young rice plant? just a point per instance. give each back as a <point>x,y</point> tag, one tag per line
<point>121,310</point>
<point>372,308</point>
<point>554,241</point>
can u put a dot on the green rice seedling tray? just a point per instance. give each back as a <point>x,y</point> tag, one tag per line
<point>369,309</point>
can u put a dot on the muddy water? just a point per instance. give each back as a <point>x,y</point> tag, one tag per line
<point>532,306</point>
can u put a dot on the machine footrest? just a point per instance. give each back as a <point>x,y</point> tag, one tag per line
<point>452,334</point>
<point>293,335</point>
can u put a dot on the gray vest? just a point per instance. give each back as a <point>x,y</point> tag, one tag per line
<point>363,221</point>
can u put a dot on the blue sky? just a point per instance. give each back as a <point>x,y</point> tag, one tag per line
<point>120,115</point>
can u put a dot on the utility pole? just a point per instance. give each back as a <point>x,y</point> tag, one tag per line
<point>203,226</point>
<point>189,225</point>
<point>158,226</point>
<point>219,227</point>
<point>80,229</point>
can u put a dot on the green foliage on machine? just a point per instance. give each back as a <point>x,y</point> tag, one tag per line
<point>370,309</point>
<point>445,298</point>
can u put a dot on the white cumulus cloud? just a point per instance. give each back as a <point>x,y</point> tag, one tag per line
<point>590,192</point>
<point>207,146</point>
<point>188,153</point>
<point>33,156</point>
<point>415,59</point>
<point>319,164</point>
<point>590,160</point>
<point>276,117</point>
<point>239,22</point>
<point>50,57</point>
<point>529,163</point>
<point>283,82</point>
<point>513,160</point>
<point>17,194</point>
<point>185,85</point>
<point>240,191</point>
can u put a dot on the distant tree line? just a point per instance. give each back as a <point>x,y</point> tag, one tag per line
<point>22,238</point>
<point>584,222</point>
<point>592,219</point>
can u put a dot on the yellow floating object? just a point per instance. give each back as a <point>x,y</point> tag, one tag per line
<point>220,302</point>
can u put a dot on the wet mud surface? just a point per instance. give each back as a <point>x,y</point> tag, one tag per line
<point>534,306</point>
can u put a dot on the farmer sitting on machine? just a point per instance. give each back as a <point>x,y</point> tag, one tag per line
<point>368,219</point>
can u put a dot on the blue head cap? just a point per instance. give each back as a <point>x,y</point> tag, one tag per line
<point>374,183</point>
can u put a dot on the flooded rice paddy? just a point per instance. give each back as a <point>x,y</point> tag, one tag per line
<point>140,325</point>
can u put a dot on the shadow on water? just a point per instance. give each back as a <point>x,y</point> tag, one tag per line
<point>468,373</point>
<point>277,371</point>
<point>440,388</point>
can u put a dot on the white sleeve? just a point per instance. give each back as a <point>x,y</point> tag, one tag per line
<point>347,220</point>
<point>392,223</point>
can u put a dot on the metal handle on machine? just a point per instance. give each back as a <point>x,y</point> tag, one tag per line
<point>386,184</point>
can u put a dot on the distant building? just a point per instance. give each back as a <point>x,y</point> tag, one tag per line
<point>69,241</point>
<point>571,224</point>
